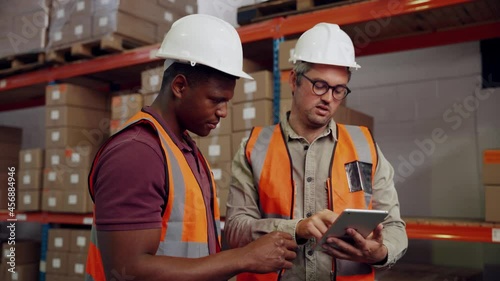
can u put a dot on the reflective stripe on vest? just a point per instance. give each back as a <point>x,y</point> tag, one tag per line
<point>268,156</point>
<point>184,222</point>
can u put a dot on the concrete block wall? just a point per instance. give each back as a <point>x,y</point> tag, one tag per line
<point>432,122</point>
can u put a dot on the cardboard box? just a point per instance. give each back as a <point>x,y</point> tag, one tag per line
<point>224,127</point>
<point>237,138</point>
<point>76,179</point>
<point>52,200</point>
<point>285,90</point>
<point>222,199</point>
<point>348,116</point>
<point>148,10</point>
<point>492,203</point>
<point>69,158</point>
<point>26,252</point>
<point>59,35</point>
<point>149,99</point>
<point>57,262</point>
<point>250,66</point>
<point>29,179</point>
<point>62,10</point>
<point>72,116</point>
<point>30,30</point>
<point>216,149</point>
<point>11,134</point>
<point>254,90</point>
<point>28,200</point>
<point>6,22</point>
<point>491,167</point>
<point>80,240</point>
<point>285,106</point>
<point>76,264</point>
<point>59,239</point>
<point>31,158</point>
<point>126,106</point>
<point>25,272</point>
<point>65,137</point>
<point>222,174</point>
<point>21,6</point>
<point>53,177</point>
<point>10,150</point>
<point>250,114</point>
<point>73,95</point>
<point>286,50</point>
<point>115,125</point>
<point>77,201</point>
<point>106,22</point>
<point>151,80</point>
<point>57,277</point>
<point>184,7</point>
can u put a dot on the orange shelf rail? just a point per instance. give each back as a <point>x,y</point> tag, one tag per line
<point>360,12</point>
<point>79,68</point>
<point>258,31</point>
<point>453,230</point>
<point>426,229</point>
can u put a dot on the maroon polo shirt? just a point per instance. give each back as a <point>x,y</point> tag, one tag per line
<point>129,180</point>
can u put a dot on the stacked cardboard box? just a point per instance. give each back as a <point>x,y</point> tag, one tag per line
<point>151,80</point>
<point>10,144</point>
<point>86,20</point>
<point>216,148</point>
<point>30,179</point>
<point>77,122</point>
<point>26,259</point>
<point>491,180</point>
<point>67,254</point>
<point>124,106</point>
<point>23,26</point>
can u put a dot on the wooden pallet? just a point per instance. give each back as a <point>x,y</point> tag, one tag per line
<point>108,44</point>
<point>22,62</point>
<point>277,8</point>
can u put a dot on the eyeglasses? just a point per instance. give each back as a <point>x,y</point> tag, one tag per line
<point>320,88</point>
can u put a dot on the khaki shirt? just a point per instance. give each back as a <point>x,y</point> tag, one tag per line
<point>245,224</point>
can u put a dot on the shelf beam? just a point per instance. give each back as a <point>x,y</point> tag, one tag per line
<point>79,68</point>
<point>472,233</point>
<point>360,12</point>
<point>260,31</point>
<point>439,38</point>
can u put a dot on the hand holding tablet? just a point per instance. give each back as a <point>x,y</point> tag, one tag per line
<point>363,221</point>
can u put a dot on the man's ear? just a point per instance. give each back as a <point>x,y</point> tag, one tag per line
<point>179,83</point>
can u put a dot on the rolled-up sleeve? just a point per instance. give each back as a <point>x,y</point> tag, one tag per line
<point>385,197</point>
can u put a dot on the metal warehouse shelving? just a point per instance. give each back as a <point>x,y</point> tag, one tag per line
<point>412,24</point>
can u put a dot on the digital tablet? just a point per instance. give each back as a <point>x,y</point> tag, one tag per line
<point>363,221</point>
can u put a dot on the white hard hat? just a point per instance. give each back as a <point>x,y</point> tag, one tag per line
<point>206,40</point>
<point>325,43</point>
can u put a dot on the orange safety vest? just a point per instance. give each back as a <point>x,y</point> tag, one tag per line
<point>184,225</point>
<point>267,153</point>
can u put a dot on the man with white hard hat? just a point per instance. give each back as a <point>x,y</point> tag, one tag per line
<point>156,212</point>
<point>299,175</point>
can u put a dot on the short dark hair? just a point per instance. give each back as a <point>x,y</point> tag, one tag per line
<point>195,75</point>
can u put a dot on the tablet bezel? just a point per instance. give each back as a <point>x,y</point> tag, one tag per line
<point>362,220</point>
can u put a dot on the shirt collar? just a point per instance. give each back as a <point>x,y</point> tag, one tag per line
<point>186,146</point>
<point>291,134</point>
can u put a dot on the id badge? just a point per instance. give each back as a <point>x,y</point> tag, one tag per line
<point>359,176</point>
